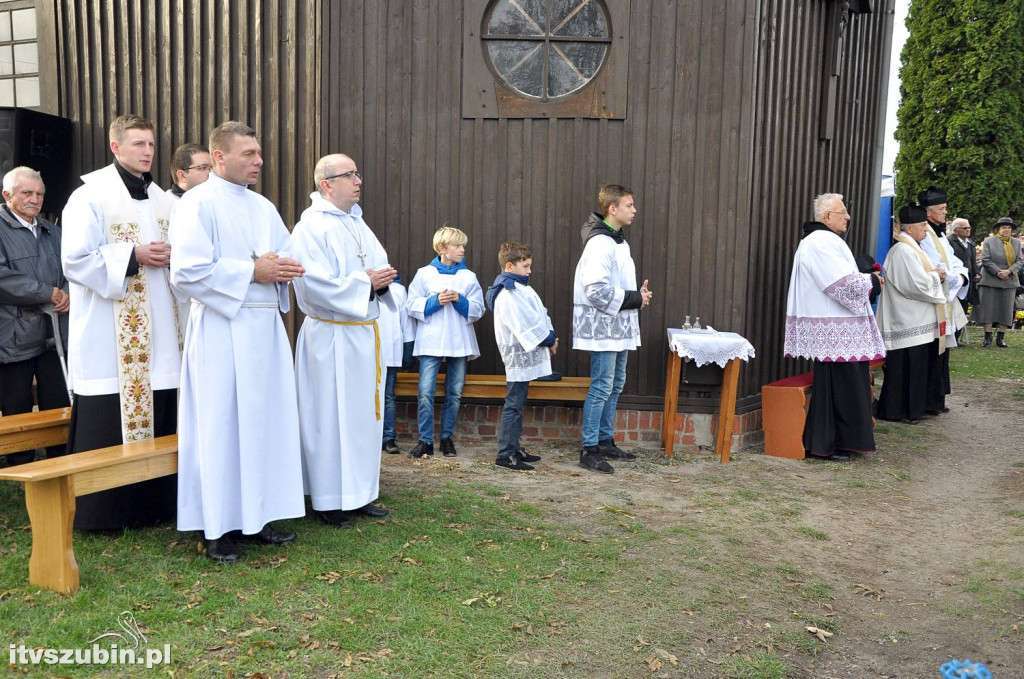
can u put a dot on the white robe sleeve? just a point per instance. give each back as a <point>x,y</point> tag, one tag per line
<point>475,296</point>
<point>323,286</point>
<point>596,278</point>
<point>380,257</point>
<point>526,323</point>
<point>197,268</point>
<point>419,293</point>
<point>905,273</point>
<point>87,258</point>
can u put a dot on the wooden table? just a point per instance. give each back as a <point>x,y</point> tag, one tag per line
<point>726,403</point>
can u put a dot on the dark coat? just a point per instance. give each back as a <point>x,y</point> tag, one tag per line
<point>966,255</point>
<point>30,269</point>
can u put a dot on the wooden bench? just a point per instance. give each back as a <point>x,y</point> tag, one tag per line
<point>51,487</point>
<point>28,431</point>
<point>494,386</point>
<point>784,405</point>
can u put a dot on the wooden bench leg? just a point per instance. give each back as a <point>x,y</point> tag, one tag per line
<point>727,410</point>
<point>668,416</point>
<point>51,509</point>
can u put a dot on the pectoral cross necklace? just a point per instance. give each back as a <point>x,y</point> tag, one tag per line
<point>359,243</point>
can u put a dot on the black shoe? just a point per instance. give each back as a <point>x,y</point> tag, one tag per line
<point>422,449</point>
<point>591,459</point>
<point>913,420</point>
<point>525,456</point>
<point>515,463</point>
<point>335,517</point>
<point>555,376</point>
<point>267,536</point>
<point>607,448</point>
<point>222,551</point>
<point>371,510</point>
<point>840,456</point>
<point>390,447</point>
<point>448,448</point>
<point>988,340</point>
<point>1001,341</point>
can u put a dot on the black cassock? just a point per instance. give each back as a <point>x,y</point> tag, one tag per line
<point>905,389</point>
<point>839,417</point>
<point>96,423</point>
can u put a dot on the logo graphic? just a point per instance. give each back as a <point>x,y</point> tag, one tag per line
<point>133,636</point>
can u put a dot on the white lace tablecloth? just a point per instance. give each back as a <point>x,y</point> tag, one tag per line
<point>709,347</point>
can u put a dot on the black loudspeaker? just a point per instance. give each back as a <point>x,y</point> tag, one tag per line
<point>40,141</point>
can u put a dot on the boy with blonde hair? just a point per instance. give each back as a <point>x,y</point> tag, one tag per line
<point>445,299</point>
<point>526,341</point>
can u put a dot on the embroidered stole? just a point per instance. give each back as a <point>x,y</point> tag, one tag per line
<point>132,319</point>
<point>940,309</point>
<point>959,317</point>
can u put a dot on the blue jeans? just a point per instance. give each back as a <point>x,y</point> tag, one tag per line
<point>454,380</point>
<point>510,427</point>
<point>389,405</point>
<point>607,377</point>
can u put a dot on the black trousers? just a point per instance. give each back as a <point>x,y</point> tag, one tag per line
<point>16,393</point>
<point>905,390</point>
<point>96,423</point>
<point>938,378</point>
<point>839,417</point>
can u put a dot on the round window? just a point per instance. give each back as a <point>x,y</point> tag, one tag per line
<point>546,48</point>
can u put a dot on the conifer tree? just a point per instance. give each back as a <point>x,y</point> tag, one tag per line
<point>960,122</point>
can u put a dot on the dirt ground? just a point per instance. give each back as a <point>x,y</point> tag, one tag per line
<point>911,556</point>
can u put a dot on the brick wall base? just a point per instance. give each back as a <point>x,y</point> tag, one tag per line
<point>561,425</point>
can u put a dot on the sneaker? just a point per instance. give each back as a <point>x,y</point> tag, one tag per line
<point>422,449</point>
<point>448,448</point>
<point>524,455</point>
<point>608,449</point>
<point>390,447</point>
<point>514,463</point>
<point>591,459</point>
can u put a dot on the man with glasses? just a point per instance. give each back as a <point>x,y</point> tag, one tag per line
<point>829,321</point>
<point>338,362</point>
<point>190,167</point>
<point>963,248</point>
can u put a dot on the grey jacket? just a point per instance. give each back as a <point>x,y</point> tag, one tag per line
<point>29,271</point>
<point>993,260</point>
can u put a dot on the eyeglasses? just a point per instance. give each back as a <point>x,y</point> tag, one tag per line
<point>838,212</point>
<point>350,175</point>
<point>201,168</point>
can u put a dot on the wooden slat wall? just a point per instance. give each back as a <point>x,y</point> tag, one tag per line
<point>391,93</point>
<point>188,67</point>
<point>792,164</point>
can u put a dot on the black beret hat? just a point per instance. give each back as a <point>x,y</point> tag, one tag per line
<point>913,214</point>
<point>933,195</point>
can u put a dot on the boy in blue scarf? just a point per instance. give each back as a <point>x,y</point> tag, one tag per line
<point>445,299</point>
<point>526,341</point>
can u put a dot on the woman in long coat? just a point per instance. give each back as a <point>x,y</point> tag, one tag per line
<point>1000,264</point>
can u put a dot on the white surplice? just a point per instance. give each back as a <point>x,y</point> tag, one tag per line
<point>96,272</point>
<point>239,463</point>
<point>907,306</point>
<point>396,328</point>
<point>338,367</point>
<point>445,332</point>
<point>940,254</point>
<point>521,323</point>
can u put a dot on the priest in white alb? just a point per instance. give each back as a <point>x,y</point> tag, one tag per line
<point>912,318</point>
<point>239,465</point>
<point>124,348</point>
<point>829,321</point>
<point>338,363</point>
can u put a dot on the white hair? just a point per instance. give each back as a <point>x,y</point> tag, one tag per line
<point>958,222</point>
<point>823,202</point>
<point>11,178</point>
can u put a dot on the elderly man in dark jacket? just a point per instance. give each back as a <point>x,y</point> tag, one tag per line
<point>963,248</point>
<point>30,277</point>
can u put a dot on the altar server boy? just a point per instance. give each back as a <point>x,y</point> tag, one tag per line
<point>526,341</point>
<point>445,299</point>
<point>397,332</point>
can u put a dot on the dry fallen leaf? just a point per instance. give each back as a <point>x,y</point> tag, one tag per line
<point>820,633</point>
